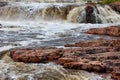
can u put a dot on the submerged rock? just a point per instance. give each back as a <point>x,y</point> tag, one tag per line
<point>111,31</point>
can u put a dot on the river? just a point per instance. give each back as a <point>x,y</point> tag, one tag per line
<point>28,23</point>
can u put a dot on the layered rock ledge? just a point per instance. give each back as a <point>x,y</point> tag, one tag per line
<point>111,31</point>
<point>102,56</point>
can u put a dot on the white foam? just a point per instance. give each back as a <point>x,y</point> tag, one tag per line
<point>4,48</point>
<point>10,29</point>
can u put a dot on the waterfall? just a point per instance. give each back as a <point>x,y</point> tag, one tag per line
<point>107,15</point>
<point>101,14</point>
<point>21,26</point>
<point>76,15</point>
<point>35,11</point>
<point>73,12</point>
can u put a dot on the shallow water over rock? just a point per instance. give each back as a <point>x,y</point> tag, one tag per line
<point>10,70</point>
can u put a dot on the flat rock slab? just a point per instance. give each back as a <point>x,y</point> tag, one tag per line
<point>96,56</point>
<point>115,43</point>
<point>111,31</point>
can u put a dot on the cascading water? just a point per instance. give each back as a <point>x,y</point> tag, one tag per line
<point>72,12</point>
<point>36,11</point>
<point>100,14</point>
<point>19,71</point>
<point>29,23</point>
<point>106,15</point>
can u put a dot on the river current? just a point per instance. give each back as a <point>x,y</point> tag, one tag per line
<point>24,24</point>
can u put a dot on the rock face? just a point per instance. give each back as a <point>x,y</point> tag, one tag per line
<point>90,18</point>
<point>96,56</point>
<point>115,6</point>
<point>111,31</point>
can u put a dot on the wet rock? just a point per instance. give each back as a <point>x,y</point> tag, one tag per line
<point>90,66</point>
<point>2,4</point>
<point>97,43</point>
<point>111,31</point>
<point>66,57</point>
<point>27,55</point>
<point>35,56</point>
<point>115,6</point>
<point>116,74</point>
<point>90,18</point>
<point>97,56</point>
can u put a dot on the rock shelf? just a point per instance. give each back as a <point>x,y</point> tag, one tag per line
<point>100,56</point>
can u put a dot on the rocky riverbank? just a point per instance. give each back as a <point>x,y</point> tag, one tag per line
<point>101,56</point>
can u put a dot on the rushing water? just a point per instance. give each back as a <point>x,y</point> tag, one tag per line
<point>38,24</point>
<point>102,14</point>
<point>62,1</point>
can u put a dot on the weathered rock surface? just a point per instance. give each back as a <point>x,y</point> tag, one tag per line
<point>34,55</point>
<point>116,74</point>
<point>115,44</point>
<point>97,56</point>
<point>115,6</point>
<point>111,31</point>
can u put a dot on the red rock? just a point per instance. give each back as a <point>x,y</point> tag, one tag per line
<point>26,55</point>
<point>111,31</point>
<point>90,66</point>
<point>65,60</point>
<point>97,43</point>
<point>96,56</point>
<point>116,74</point>
<point>32,55</point>
<point>115,6</point>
